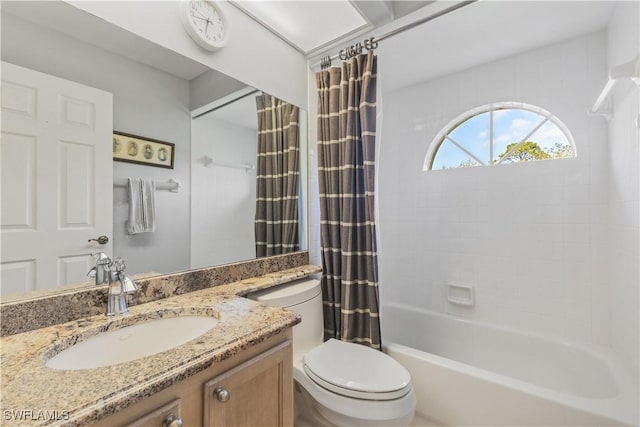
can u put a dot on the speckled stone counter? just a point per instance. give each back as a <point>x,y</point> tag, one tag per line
<point>92,394</point>
<point>49,307</point>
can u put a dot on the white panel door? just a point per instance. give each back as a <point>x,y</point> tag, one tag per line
<point>56,179</point>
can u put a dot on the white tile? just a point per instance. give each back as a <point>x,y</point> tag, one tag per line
<point>539,323</point>
<point>576,330</point>
<point>535,239</point>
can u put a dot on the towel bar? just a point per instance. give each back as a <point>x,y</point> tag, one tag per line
<point>629,70</point>
<point>172,185</point>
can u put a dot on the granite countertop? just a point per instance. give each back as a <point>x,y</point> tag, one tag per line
<point>84,396</point>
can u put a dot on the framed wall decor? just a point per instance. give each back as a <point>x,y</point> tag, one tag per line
<point>145,151</point>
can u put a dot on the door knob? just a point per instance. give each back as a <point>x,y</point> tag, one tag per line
<point>222,394</point>
<point>103,240</point>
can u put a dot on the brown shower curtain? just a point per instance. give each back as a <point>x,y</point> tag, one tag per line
<point>278,172</point>
<point>346,173</point>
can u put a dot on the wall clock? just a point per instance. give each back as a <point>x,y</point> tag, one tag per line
<point>205,23</point>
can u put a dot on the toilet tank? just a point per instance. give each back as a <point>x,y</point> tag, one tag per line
<point>304,297</point>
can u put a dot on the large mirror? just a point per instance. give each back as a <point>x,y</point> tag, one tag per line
<point>235,220</point>
<point>211,120</point>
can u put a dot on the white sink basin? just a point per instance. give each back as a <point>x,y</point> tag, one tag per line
<point>132,342</point>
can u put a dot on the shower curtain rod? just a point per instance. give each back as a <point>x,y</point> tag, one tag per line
<point>372,42</point>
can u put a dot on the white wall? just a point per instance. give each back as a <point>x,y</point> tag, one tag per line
<point>531,238</point>
<point>315,255</point>
<point>222,215</point>
<point>147,102</point>
<point>253,54</point>
<point>623,45</point>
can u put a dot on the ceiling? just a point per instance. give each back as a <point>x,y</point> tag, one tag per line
<point>478,33</point>
<point>475,34</point>
<point>305,25</point>
<point>310,25</point>
<point>67,19</point>
<point>483,32</point>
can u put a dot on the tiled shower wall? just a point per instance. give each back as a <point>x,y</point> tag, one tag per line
<point>532,239</point>
<point>624,162</point>
<point>222,198</point>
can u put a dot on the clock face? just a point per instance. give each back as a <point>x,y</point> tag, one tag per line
<point>205,23</point>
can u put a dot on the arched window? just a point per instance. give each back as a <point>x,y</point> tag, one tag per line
<point>505,132</point>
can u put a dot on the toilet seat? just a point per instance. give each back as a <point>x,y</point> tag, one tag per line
<point>380,396</point>
<point>356,371</point>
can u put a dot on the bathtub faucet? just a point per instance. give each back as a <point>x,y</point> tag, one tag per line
<point>112,273</point>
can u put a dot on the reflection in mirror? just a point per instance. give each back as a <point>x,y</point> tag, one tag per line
<point>230,222</point>
<point>278,177</point>
<point>154,95</point>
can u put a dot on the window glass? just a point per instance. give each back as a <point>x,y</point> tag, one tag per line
<point>473,136</point>
<point>510,126</point>
<point>500,133</point>
<point>449,156</point>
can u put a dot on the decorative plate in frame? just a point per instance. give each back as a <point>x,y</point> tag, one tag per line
<point>145,151</point>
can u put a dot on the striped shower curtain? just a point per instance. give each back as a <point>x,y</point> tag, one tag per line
<point>278,173</point>
<point>346,173</point>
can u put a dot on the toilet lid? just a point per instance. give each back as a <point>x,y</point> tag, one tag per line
<point>356,371</point>
<point>288,294</point>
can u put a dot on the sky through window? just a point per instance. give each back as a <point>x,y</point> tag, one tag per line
<point>501,133</point>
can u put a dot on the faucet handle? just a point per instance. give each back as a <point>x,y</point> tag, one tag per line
<point>118,265</point>
<point>102,258</point>
<point>101,270</point>
<point>128,284</point>
<point>92,273</point>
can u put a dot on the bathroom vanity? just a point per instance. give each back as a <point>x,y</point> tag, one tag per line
<point>249,389</point>
<point>239,372</point>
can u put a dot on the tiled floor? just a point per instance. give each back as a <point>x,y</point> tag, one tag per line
<point>420,421</point>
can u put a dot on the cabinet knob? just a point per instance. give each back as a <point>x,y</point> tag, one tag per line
<point>172,421</point>
<point>222,394</point>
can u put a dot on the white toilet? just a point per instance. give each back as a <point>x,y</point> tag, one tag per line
<point>339,383</point>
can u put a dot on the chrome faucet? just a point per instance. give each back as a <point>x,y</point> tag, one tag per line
<point>112,273</point>
<point>101,269</point>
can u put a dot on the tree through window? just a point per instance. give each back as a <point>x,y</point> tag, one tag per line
<point>499,133</point>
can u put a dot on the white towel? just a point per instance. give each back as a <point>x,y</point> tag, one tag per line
<point>142,206</point>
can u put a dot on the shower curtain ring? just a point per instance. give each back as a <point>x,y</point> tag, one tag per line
<point>325,62</point>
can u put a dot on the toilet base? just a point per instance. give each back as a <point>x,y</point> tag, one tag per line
<point>309,413</point>
<point>306,414</point>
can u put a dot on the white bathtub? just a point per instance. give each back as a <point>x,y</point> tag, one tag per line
<point>468,373</point>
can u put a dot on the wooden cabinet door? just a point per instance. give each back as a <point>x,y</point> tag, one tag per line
<point>260,392</point>
<point>159,417</point>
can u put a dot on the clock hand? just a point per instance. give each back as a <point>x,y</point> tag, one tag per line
<point>198,12</point>
<point>197,17</point>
